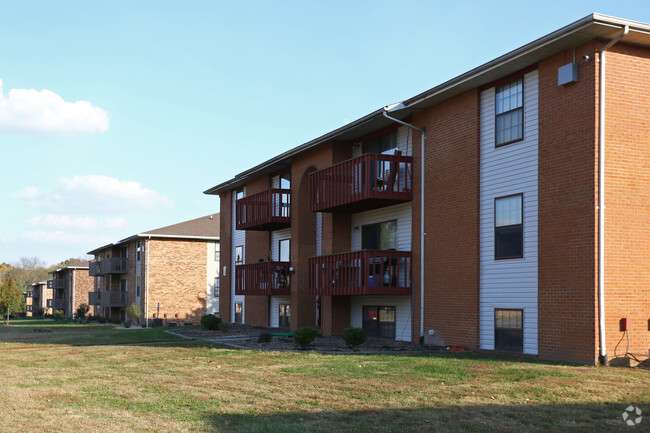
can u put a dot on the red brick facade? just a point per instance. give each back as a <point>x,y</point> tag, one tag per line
<point>567,234</point>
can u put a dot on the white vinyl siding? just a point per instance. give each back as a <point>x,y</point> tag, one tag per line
<point>400,212</point>
<point>507,170</point>
<point>276,237</point>
<point>274,316</point>
<point>212,302</point>
<point>402,306</point>
<point>319,233</point>
<point>405,140</point>
<point>238,239</point>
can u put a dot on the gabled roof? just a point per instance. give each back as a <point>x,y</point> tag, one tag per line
<point>203,228</point>
<point>593,26</point>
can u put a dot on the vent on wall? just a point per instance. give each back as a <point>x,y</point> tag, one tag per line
<point>567,74</point>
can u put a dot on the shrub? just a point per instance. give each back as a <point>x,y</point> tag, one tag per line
<point>116,321</point>
<point>101,319</point>
<point>133,312</point>
<point>82,311</point>
<point>354,337</point>
<point>265,338</point>
<point>90,317</point>
<point>127,324</point>
<point>58,315</point>
<point>305,335</point>
<point>211,322</point>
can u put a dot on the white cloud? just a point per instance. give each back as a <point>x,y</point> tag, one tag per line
<point>79,223</point>
<point>94,195</point>
<point>33,111</point>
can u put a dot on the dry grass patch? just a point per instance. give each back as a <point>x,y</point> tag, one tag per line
<point>182,385</point>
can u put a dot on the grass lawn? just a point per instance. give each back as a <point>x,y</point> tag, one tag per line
<point>95,378</point>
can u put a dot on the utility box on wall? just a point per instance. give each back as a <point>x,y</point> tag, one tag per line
<point>567,74</point>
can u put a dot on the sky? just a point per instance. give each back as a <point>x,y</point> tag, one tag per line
<point>116,116</point>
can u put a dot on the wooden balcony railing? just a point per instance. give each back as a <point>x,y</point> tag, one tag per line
<point>58,304</point>
<point>108,298</point>
<point>368,272</point>
<point>109,265</point>
<point>367,182</point>
<point>263,279</point>
<point>267,210</point>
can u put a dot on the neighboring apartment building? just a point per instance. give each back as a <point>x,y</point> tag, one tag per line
<point>505,253</point>
<point>171,273</point>
<point>69,289</point>
<point>36,299</point>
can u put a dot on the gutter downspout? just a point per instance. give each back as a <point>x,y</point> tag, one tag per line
<point>601,197</point>
<point>422,233</point>
<point>146,296</point>
<point>73,293</point>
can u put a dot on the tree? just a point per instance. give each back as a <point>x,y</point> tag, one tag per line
<point>11,298</point>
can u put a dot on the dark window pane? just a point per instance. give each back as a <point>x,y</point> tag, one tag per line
<point>508,242</point>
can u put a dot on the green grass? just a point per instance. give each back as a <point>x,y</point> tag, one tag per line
<point>63,381</point>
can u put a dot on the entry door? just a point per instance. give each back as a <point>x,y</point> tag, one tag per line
<point>379,321</point>
<point>285,316</point>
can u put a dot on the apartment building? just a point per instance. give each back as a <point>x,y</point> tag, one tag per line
<point>36,299</point>
<point>69,289</point>
<point>170,273</point>
<point>505,209</point>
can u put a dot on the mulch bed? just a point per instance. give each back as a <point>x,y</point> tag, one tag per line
<point>322,344</point>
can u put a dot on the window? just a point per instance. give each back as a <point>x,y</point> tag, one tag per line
<point>510,112</point>
<point>216,287</point>
<point>379,321</point>
<point>217,252</point>
<point>123,285</point>
<point>285,250</point>
<point>509,330</point>
<point>285,315</point>
<point>379,236</point>
<point>386,144</point>
<point>137,286</point>
<point>138,249</point>
<point>508,227</point>
<point>239,308</point>
<point>239,194</point>
<point>239,255</point>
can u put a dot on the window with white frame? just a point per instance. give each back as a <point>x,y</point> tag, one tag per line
<point>509,112</point>
<point>508,227</point>
<point>216,287</point>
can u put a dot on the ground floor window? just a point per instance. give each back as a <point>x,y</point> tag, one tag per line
<point>239,308</point>
<point>509,329</point>
<point>285,314</point>
<point>379,321</point>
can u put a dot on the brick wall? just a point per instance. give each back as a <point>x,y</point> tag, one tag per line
<point>627,201</point>
<point>83,283</point>
<point>225,221</point>
<point>451,200</point>
<point>567,212</point>
<point>177,278</point>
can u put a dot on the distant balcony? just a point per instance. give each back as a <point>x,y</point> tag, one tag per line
<point>266,211</point>
<point>108,298</point>
<point>368,272</point>
<point>109,265</point>
<point>58,304</point>
<point>368,182</point>
<point>56,283</point>
<point>263,279</point>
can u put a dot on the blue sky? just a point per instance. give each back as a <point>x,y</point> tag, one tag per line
<point>116,116</point>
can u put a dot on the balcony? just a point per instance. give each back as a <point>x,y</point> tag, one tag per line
<point>368,182</point>
<point>265,211</point>
<point>58,304</point>
<point>108,298</point>
<point>367,272</point>
<point>109,265</point>
<point>263,279</point>
<point>56,283</point>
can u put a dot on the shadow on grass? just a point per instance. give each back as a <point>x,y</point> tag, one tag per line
<point>29,331</point>
<point>478,418</point>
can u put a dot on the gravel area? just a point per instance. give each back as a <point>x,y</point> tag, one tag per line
<point>246,337</point>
